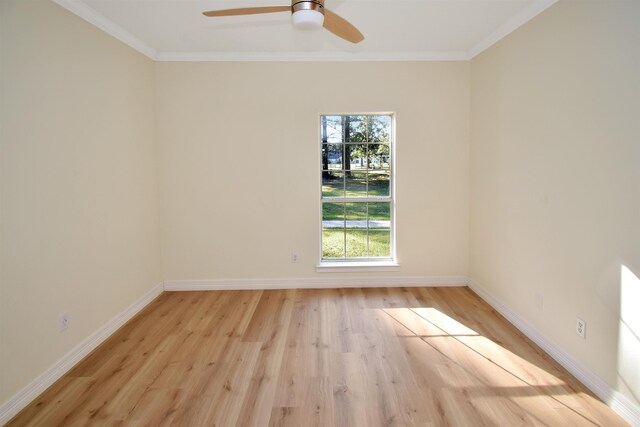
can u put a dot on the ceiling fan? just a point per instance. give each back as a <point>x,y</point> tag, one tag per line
<point>306,14</point>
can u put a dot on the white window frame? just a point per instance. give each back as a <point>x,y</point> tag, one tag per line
<point>362,263</point>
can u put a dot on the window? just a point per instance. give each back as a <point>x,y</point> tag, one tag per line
<point>357,187</point>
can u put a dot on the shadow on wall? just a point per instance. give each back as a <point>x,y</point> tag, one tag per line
<point>629,333</point>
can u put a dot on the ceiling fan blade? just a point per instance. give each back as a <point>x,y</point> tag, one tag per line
<point>247,11</point>
<point>341,27</point>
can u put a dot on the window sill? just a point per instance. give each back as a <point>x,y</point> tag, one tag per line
<point>354,267</point>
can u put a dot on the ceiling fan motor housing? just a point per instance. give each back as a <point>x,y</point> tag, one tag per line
<point>307,14</point>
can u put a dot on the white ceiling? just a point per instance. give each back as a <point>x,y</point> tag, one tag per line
<point>393,29</point>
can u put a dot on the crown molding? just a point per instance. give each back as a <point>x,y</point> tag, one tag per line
<point>510,26</point>
<point>90,15</point>
<point>87,13</point>
<point>310,56</point>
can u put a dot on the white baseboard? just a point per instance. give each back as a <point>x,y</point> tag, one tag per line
<point>25,396</point>
<point>312,283</point>
<point>616,400</point>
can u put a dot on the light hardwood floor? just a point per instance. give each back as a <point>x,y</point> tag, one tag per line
<point>334,357</point>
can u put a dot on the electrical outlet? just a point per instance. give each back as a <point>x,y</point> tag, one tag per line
<point>294,257</point>
<point>581,328</point>
<point>63,322</point>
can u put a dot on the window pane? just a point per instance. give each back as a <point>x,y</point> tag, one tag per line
<point>380,211</point>
<point>356,215</point>
<point>332,156</point>
<point>356,243</point>
<point>355,127</point>
<point>331,128</point>
<point>356,184</point>
<point>356,225</point>
<point>379,243</point>
<point>378,183</point>
<point>332,212</point>
<point>378,156</point>
<point>332,184</point>
<point>333,243</point>
<point>379,129</point>
<point>356,157</point>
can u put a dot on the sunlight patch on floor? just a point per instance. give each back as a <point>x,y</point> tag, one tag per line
<point>450,336</point>
<point>444,322</point>
<point>462,358</point>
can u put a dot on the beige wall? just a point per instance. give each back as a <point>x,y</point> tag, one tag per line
<point>79,224</point>
<point>555,199</point>
<point>240,163</point>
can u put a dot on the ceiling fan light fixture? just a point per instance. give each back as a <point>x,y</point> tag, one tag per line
<point>307,14</point>
<point>307,19</point>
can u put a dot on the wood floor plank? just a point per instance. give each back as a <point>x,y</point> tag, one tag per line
<point>273,324</point>
<point>318,357</point>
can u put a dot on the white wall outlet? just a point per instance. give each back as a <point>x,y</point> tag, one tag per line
<point>295,257</point>
<point>63,321</point>
<point>581,328</point>
<point>539,300</point>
